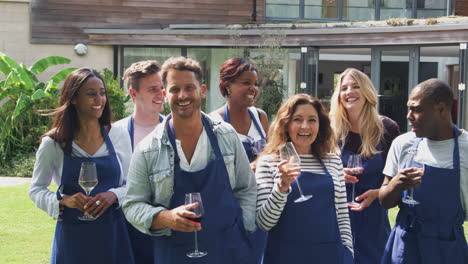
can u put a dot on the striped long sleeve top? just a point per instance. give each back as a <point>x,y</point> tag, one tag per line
<point>271,201</point>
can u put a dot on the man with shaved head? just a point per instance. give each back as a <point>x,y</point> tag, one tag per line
<point>430,231</point>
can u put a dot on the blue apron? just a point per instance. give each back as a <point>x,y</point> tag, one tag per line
<point>308,232</point>
<point>252,148</point>
<point>432,231</point>
<point>130,127</point>
<point>370,227</point>
<point>223,235</point>
<point>142,244</point>
<point>104,240</point>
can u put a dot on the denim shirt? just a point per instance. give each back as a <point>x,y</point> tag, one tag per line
<point>150,181</point>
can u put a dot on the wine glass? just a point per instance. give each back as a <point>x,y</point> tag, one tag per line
<point>191,198</point>
<point>88,180</point>
<point>418,169</point>
<point>355,164</point>
<point>289,153</point>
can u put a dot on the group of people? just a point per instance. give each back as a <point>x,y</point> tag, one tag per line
<point>147,163</point>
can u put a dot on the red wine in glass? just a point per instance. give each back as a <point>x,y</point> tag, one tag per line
<point>197,219</point>
<point>191,198</point>
<point>355,164</point>
<point>357,172</point>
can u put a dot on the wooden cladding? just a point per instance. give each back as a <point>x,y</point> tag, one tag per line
<point>54,21</point>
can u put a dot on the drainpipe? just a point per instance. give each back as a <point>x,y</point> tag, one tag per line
<point>254,10</point>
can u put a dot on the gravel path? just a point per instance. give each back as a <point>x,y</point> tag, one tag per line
<point>12,181</point>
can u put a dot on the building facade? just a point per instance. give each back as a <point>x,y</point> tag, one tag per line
<point>301,45</point>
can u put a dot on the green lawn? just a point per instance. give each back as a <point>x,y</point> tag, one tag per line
<point>26,232</point>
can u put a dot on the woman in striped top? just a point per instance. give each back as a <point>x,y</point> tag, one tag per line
<point>317,229</point>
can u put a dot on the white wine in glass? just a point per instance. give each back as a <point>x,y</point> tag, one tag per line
<point>418,169</point>
<point>88,180</point>
<point>289,153</point>
<point>191,198</point>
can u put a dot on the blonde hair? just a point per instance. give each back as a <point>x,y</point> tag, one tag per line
<point>372,130</point>
<point>278,131</point>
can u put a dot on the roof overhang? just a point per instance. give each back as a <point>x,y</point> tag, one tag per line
<point>370,33</point>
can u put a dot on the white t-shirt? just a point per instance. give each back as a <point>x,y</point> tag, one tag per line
<point>139,132</point>
<point>253,131</point>
<point>433,153</point>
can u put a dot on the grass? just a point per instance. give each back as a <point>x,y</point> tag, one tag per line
<point>26,232</point>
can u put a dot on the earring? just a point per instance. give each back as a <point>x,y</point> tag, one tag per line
<point>228,91</point>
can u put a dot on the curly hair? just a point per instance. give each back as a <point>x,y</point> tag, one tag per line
<point>278,131</point>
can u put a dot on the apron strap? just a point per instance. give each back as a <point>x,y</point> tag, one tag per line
<point>456,152</point>
<point>130,129</point>
<point>324,167</point>
<point>259,128</point>
<point>209,132</point>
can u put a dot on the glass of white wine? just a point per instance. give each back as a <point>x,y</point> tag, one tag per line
<point>418,169</point>
<point>289,153</point>
<point>88,180</point>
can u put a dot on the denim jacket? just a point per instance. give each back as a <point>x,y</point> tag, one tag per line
<point>150,178</point>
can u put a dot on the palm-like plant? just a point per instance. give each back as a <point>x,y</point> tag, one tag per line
<point>23,94</point>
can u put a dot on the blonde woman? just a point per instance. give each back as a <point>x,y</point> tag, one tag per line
<point>318,229</point>
<point>360,130</point>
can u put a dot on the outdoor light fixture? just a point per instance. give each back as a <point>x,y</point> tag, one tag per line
<point>81,49</point>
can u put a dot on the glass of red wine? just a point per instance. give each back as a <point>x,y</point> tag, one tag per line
<point>191,198</point>
<point>355,164</point>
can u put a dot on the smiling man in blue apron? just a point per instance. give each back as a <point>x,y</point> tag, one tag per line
<point>190,153</point>
<point>145,86</point>
<point>432,230</point>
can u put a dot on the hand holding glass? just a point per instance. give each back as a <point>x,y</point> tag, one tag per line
<point>289,153</point>
<point>88,180</point>
<point>355,164</point>
<point>191,198</point>
<point>418,170</point>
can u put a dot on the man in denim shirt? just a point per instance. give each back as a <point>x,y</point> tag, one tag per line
<point>190,153</point>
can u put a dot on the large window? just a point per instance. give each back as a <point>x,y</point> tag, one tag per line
<point>361,10</point>
<point>278,70</point>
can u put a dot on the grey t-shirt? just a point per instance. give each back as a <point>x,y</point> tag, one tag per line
<point>433,153</point>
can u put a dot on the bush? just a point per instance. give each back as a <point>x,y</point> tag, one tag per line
<point>21,165</point>
<point>117,95</point>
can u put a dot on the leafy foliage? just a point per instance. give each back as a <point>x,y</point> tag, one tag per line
<point>23,94</point>
<point>117,96</point>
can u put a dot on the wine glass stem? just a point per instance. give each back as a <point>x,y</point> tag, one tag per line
<point>299,188</point>
<point>196,241</point>
<point>354,187</point>
<point>411,193</point>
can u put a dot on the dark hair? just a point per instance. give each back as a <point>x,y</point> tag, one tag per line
<point>181,64</point>
<point>139,70</point>
<point>66,123</point>
<point>278,135</point>
<point>231,70</point>
<point>437,91</point>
